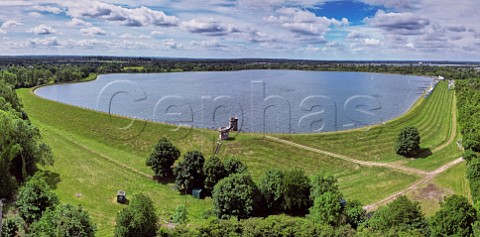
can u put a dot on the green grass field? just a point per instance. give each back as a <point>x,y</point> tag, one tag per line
<point>94,157</point>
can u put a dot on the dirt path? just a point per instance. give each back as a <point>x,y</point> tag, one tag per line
<point>427,178</point>
<point>400,168</point>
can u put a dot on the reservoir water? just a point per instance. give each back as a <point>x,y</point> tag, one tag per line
<point>271,101</point>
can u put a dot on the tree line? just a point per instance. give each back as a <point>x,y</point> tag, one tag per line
<point>38,211</point>
<point>33,71</point>
<point>468,104</point>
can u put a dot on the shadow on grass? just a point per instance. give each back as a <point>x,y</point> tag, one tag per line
<point>424,153</point>
<point>51,178</point>
<point>164,180</point>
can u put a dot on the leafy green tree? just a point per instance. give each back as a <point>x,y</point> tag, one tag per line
<point>236,196</point>
<point>10,96</point>
<point>233,165</point>
<point>163,157</point>
<point>398,216</point>
<point>473,176</point>
<point>408,142</point>
<point>189,172</point>
<point>34,199</point>
<point>65,220</point>
<point>296,192</point>
<point>455,218</point>
<point>322,184</point>
<point>7,181</point>
<point>138,219</point>
<point>271,188</point>
<point>327,208</point>
<point>355,215</point>
<point>22,147</point>
<point>181,215</point>
<point>13,227</point>
<point>469,155</point>
<point>214,171</point>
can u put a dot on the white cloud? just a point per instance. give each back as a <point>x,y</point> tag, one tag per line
<point>209,26</point>
<point>142,16</point>
<point>35,14</point>
<point>399,23</point>
<point>93,31</point>
<point>170,44</point>
<point>78,22</point>
<point>209,44</point>
<point>42,30</point>
<point>50,9</point>
<point>156,33</point>
<point>372,42</point>
<point>7,25</point>
<point>304,23</point>
<point>44,42</point>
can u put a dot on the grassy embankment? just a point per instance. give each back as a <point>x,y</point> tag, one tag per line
<point>431,115</point>
<point>96,158</point>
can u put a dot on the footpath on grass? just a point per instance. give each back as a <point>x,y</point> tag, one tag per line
<point>425,175</point>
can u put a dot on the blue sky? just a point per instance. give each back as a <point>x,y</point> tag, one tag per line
<point>329,30</point>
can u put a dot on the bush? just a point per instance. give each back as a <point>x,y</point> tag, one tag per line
<point>234,165</point>
<point>327,209</point>
<point>473,176</point>
<point>271,188</point>
<point>455,218</point>
<point>13,227</point>
<point>214,171</point>
<point>408,142</point>
<point>138,219</point>
<point>401,215</point>
<point>355,215</point>
<point>163,157</point>
<point>65,220</point>
<point>189,172</point>
<point>296,192</point>
<point>35,198</point>
<point>181,215</point>
<point>236,196</point>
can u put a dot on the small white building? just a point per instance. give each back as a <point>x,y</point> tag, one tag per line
<point>441,78</point>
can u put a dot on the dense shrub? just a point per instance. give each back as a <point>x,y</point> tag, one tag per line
<point>65,220</point>
<point>34,199</point>
<point>236,196</point>
<point>455,218</point>
<point>189,172</point>
<point>163,157</point>
<point>214,171</point>
<point>138,219</point>
<point>408,142</point>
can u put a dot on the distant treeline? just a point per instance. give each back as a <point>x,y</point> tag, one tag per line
<point>26,71</point>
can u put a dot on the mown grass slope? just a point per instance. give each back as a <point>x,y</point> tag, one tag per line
<point>432,116</point>
<point>97,154</point>
<point>95,158</point>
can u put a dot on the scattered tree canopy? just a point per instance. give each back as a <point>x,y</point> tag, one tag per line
<point>189,172</point>
<point>214,171</point>
<point>138,219</point>
<point>163,157</point>
<point>64,220</point>
<point>408,142</point>
<point>236,196</point>
<point>455,218</point>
